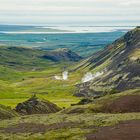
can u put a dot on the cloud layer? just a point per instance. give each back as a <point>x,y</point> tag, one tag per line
<point>96,12</point>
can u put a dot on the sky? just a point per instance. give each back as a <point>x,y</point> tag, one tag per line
<point>70,12</point>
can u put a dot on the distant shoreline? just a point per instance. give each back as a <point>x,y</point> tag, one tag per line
<point>61,29</point>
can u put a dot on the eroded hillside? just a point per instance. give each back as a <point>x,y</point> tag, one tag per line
<point>119,64</point>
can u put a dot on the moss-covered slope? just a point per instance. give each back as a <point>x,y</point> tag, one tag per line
<point>7,112</point>
<point>25,58</point>
<point>120,64</point>
<point>36,106</point>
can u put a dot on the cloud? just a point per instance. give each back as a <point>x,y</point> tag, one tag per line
<point>69,10</point>
<point>131,3</point>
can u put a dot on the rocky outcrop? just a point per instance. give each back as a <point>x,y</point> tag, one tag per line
<point>36,106</point>
<point>62,54</point>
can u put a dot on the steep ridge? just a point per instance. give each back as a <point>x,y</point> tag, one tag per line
<point>120,63</point>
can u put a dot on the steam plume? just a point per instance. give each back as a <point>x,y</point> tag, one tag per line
<point>63,77</point>
<point>89,76</point>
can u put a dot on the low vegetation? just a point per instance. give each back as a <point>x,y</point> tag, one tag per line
<point>35,105</point>
<point>7,112</point>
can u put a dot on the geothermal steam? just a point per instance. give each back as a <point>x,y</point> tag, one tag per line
<point>89,76</point>
<point>63,77</point>
<point>57,77</point>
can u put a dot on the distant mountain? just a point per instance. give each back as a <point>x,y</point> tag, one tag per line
<point>119,64</point>
<point>29,58</point>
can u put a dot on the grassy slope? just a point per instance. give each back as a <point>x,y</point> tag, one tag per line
<point>29,73</point>
<point>120,63</point>
<point>107,56</point>
<point>17,86</point>
<point>6,112</point>
<point>24,83</point>
<point>45,86</point>
<point>59,92</point>
<point>41,82</point>
<point>93,107</point>
<point>29,60</point>
<point>87,122</point>
<point>84,124</point>
<point>16,90</point>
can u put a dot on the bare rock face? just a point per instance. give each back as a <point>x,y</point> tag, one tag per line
<point>62,54</point>
<point>36,106</point>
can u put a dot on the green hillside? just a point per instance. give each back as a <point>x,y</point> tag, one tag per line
<point>7,112</point>
<point>43,107</point>
<point>119,63</point>
<point>26,71</point>
<point>25,58</point>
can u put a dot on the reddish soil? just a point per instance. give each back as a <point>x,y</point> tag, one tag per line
<point>124,104</point>
<point>37,128</point>
<point>128,130</point>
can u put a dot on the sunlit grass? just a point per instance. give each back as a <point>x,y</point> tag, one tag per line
<point>44,85</point>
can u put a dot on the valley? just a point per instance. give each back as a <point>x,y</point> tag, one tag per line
<point>34,72</point>
<point>101,92</point>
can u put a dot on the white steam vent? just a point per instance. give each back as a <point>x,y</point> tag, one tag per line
<point>57,77</point>
<point>63,77</point>
<point>89,76</point>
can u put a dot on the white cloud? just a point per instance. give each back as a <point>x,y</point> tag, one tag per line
<point>69,10</point>
<point>131,3</point>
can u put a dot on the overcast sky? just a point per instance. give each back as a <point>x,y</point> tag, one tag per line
<point>90,12</point>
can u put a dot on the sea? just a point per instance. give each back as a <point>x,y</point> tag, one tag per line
<point>84,40</point>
